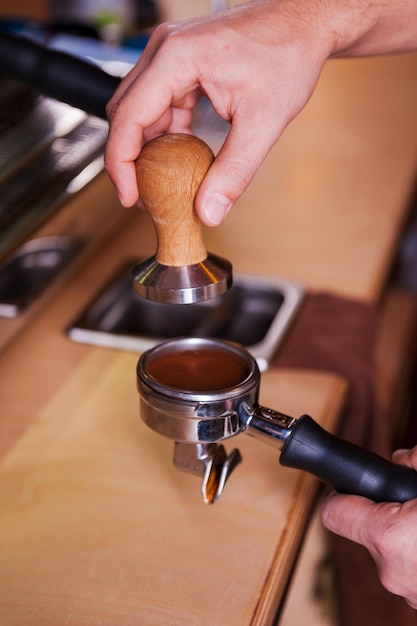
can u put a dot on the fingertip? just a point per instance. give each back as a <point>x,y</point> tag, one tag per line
<point>406,457</point>
<point>123,177</point>
<point>214,207</point>
<point>127,194</point>
<point>400,454</point>
<point>121,198</point>
<point>327,509</point>
<point>345,515</point>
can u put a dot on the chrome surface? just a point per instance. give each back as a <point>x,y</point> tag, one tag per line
<point>270,426</point>
<point>29,271</point>
<point>35,132</point>
<point>46,157</point>
<point>211,462</point>
<point>195,417</point>
<point>197,421</point>
<point>185,284</point>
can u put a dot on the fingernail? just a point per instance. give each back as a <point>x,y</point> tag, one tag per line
<point>399,453</point>
<point>122,202</point>
<point>216,207</point>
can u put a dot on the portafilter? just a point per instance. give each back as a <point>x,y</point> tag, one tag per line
<point>201,391</point>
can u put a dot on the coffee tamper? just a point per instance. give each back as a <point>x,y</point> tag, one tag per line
<point>170,169</point>
<point>200,391</point>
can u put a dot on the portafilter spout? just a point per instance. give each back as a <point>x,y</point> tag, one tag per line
<point>199,392</point>
<point>169,170</point>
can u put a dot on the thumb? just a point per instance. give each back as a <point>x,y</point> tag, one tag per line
<point>231,172</point>
<point>349,516</point>
<point>406,457</point>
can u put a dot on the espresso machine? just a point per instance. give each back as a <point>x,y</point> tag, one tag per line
<point>200,391</point>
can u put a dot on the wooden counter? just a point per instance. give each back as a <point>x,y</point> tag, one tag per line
<point>96,527</point>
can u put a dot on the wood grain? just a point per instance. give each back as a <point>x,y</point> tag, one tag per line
<point>96,526</point>
<point>169,171</point>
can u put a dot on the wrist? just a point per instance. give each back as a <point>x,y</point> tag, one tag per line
<point>369,27</point>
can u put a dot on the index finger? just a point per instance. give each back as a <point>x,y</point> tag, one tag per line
<point>143,104</point>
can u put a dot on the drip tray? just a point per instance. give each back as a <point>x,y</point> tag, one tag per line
<point>256,312</point>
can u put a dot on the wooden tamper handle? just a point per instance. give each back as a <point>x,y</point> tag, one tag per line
<point>169,170</point>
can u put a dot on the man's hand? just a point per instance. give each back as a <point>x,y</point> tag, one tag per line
<point>387,530</point>
<point>258,65</point>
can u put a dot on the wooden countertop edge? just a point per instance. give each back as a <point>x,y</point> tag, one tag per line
<point>273,594</point>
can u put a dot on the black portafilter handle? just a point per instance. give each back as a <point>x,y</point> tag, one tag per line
<point>348,468</point>
<point>57,74</point>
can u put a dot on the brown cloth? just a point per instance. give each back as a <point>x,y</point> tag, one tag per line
<point>339,335</point>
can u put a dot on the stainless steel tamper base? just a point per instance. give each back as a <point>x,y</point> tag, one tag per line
<point>184,284</point>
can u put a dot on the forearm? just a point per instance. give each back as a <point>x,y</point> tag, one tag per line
<point>353,27</point>
<point>372,27</point>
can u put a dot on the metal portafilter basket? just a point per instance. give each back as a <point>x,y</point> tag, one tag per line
<point>199,392</point>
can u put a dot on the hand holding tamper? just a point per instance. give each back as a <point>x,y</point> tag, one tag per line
<point>170,169</point>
